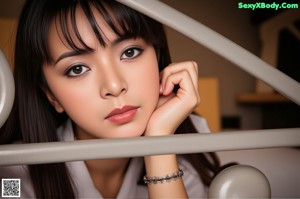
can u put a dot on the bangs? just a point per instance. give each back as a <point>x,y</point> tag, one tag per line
<point>123,21</point>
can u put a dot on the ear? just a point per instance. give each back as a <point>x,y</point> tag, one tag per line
<point>55,103</point>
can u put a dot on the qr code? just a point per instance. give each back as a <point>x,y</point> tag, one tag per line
<point>11,188</point>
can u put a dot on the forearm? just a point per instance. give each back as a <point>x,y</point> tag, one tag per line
<point>160,166</point>
<point>164,121</point>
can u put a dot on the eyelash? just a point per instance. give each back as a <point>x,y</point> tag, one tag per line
<point>134,49</point>
<point>72,68</point>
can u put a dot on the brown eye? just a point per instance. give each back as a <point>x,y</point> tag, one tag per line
<point>77,70</point>
<point>131,53</point>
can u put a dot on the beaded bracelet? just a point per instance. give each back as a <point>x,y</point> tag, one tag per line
<point>167,178</point>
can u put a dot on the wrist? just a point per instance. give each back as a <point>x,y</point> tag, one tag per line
<point>161,165</point>
<point>161,169</point>
<point>168,178</point>
<point>156,132</point>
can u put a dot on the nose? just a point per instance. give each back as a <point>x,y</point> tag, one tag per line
<point>114,83</point>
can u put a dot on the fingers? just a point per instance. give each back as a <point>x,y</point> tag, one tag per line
<point>173,108</point>
<point>181,78</point>
<point>184,74</point>
<point>190,66</point>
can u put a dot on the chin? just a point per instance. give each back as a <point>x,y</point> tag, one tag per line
<point>126,131</point>
<point>129,134</point>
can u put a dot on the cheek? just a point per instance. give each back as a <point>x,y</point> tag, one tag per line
<point>151,81</point>
<point>147,80</point>
<point>78,101</point>
<point>152,78</point>
<point>72,95</point>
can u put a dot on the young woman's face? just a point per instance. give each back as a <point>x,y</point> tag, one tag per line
<point>108,93</point>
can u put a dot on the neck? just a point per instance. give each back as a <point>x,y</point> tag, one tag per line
<point>108,175</point>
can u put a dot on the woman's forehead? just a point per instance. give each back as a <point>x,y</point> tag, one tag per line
<point>80,27</point>
<point>83,26</point>
<point>78,33</point>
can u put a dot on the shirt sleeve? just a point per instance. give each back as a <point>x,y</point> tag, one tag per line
<point>191,179</point>
<point>200,123</point>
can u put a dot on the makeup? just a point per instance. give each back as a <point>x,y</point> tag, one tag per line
<point>122,115</point>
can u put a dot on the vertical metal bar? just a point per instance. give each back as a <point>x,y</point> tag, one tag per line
<point>7,89</point>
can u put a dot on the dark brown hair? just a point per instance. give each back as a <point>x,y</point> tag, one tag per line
<point>34,120</point>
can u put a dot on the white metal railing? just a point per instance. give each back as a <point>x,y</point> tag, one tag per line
<point>13,154</point>
<point>7,89</point>
<point>192,143</point>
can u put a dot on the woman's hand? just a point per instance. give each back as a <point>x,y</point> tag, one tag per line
<point>172,107</point>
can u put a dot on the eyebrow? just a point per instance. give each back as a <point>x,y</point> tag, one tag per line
<point>121,39</point>
<point>85,51</point>
<point>70,54</point>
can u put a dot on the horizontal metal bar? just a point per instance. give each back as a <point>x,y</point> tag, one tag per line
<point>219,44</point>
<point>14,154</point>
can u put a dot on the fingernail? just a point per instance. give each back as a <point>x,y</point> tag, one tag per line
<point>160,89</point>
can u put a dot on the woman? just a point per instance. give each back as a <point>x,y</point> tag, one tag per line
<point>98,69</point>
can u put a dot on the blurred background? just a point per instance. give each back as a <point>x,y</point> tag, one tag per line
<point>231,98</point>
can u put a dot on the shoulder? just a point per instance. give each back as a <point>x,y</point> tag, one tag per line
<point>65,131</point>
<point>192,180</point>
<point>19,172</point>
<point>13,171</point>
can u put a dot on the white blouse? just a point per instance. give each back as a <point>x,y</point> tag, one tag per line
<point>129,189</point>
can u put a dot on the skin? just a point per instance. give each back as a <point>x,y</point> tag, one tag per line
<point>122,73</point>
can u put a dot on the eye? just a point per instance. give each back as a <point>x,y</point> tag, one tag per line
<point>77,70</point>
<point>131,53</point>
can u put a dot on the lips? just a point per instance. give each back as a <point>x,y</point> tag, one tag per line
<point>122,115</point>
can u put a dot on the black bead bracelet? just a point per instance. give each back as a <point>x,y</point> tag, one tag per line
<point>167,178</point>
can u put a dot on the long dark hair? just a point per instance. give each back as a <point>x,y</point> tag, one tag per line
<point>33,119</point>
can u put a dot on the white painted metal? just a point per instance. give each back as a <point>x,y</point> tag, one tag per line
<point>127,147</point>
<point>7,89</point>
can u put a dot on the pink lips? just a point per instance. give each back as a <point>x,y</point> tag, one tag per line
<point>122,115</point>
